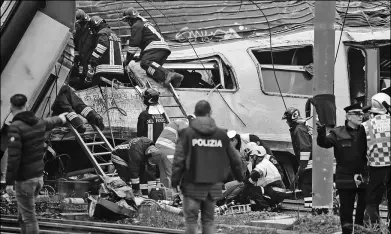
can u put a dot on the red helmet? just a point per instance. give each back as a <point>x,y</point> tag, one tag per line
<point>130,13</point>
<point>291,114</point>
<point>81,16</point>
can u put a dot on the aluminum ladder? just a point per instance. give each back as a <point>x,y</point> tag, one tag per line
<point>101,166</point>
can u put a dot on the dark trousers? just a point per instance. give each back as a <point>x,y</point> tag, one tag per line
<point>305,183</point>
<point>149,57</point>
<point>347,198</point>
<point>67,101</point>
<point>379,183</point>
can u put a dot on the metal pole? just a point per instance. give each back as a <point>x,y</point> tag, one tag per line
<point>324,52</point>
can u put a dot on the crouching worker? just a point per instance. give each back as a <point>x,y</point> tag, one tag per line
<point>263,185</point>
<point>68,101</point>
<point>154,49</point>
<point>135,161</point>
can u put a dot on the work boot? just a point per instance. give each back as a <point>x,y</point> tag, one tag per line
<point>93,117</point>
<point>174,78</point>
<point>76,122</point>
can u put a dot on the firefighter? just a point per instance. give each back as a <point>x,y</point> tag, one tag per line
<point>166,145</point>
<point>106,59</point>
<point>240,140</point>
<point>349,144</point>
<point>68,101</point>
<point>377,130</point>
<point>264,183</point>
<point>135,161</point>
<point>84,41</point>
<point>151,121</point>
<point>154,49</point>
<point>301,136</point>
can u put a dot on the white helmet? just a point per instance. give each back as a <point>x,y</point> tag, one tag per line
<point>376,103</point>
<point>258,151</point>
<point>249,147</point>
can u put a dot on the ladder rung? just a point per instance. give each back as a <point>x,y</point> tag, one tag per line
<point>173,106</point>
<point>111,174</point>
<point>96,143</point>
<point>88,133</point>
<point>165,96</point>
<point>103,153</point>
<point>176,117</point>
<point>105,164</point>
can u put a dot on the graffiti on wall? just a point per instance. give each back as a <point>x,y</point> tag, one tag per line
<point>187,35</point>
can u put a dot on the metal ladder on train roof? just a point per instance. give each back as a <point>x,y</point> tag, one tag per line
<point>171,103</point>
<point>102,168</point>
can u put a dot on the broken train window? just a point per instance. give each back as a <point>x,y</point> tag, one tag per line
<point>204,73</point>
<point>357,74</point>
<point>293,67</point>
<point>385,64</point>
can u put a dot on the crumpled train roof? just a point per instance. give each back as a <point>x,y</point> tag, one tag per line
<point>204,21</point>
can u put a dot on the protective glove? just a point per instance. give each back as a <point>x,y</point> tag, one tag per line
<point>91,72</point>
<point>255,175</point>
<point>321,128</point>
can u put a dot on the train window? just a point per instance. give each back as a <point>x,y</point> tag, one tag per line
<point>357,75</point>
<point>207,73</point>
<point>385,64</point>
<point>293,68</point>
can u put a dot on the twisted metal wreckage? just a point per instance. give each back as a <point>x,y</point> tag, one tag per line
<point>252,53</point>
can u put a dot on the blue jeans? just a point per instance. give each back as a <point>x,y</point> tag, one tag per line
<point>26,192</point>
<point>191,208</point>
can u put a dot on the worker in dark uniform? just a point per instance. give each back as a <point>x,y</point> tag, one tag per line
<point>301,136</point>
<point>68,101</point>
<point>202,159</point>
<point>377,130</point>
<point>135,161</point>
<point>85,42</point>
<point>106,59</point>
<point>349,142</point>
<point>154,49</point>
<point>151,121</point>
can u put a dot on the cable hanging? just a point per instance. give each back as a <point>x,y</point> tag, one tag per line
<point>340,36</point>
<point>271,51</point>
<point>200,62</point>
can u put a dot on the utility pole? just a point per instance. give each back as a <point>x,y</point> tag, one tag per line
<point>324,46</point>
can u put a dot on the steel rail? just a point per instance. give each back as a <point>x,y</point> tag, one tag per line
<point>87,226</point>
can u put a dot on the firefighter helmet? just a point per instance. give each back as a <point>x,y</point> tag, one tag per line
<point>377,103</point>
<point>291,114</point>
<point>81,16</point>
<point>130,13</point>
<point>151,96</point>
<point>259,151</point>
<point>249,147</point>
<point>96,21</point>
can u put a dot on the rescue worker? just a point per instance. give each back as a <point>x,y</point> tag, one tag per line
<point>349,142</point>
<point>154,49</point>
<point>202,156</point>
<point>301,136</point>
<point>166,145</point>
<point>252,146</point>
<point>135,161</point>
<point>264,183</point>
<point>377,130</point>
<point>68,101</point>
<point>85,42</point>
<point>151,121</point>
<point>106,59</point>
<point>240,140</point>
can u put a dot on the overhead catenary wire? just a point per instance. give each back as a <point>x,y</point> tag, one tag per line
<point>340,36</point>
<point>150,15</point>
<point>271,51</point>
<point>201,63</point>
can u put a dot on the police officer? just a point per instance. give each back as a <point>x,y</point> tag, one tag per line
<point>151,121</point>
<point>301,136</point>
<point>377,130</point>
<point>68,101</point>
<point>84,41</point>
<point>349,142</point>
<point>154,49</point>
<point>136,158</point>
<point>202,159</point>
<point>106,59</point>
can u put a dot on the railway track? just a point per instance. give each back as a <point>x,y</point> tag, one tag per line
<point>9,224</point>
